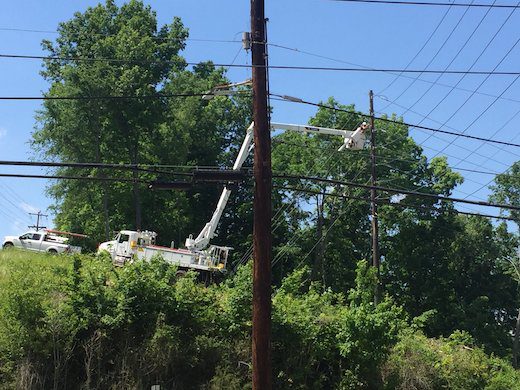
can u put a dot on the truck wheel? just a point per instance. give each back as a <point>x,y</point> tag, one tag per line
<point>8,245</point>
<point>53,251</point>
<point>180,274</point>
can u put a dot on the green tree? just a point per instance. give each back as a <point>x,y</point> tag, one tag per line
<point>507,190</point>
<point>135,59</point>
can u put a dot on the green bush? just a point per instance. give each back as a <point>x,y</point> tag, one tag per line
<point>422,363</point>
<point>75,322</point>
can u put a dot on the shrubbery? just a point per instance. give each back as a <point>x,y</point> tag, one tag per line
<point>76,322</point>
<point>422,363</point>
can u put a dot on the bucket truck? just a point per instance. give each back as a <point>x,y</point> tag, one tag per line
<point>199,255</point>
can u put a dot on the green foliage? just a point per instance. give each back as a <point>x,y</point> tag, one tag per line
<point>507,189</point>
<point>322,338</point>
<point>76,322</point>
<point>175,131</point>
<point>419,363</point>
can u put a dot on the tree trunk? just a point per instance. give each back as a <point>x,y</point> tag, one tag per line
<point>133,151</point>
<point>137,195</point>
<point>516,342</point>
<point>105,187</point>
<point>316,273</point>
<point>105,211</point>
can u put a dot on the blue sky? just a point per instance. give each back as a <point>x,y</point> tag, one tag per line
<point>379,36</point>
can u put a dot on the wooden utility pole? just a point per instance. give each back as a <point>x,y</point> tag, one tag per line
<point>373,201</point>
<point>38,216</point>
<point>261,346</point>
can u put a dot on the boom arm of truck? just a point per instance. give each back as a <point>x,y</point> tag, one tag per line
<point>354,140</point>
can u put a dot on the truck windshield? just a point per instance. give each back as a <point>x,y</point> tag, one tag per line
<point>123,238</point>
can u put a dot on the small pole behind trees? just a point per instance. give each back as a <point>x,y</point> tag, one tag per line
<point>373,201</point>
<point>38,216</point>
<point>261,338</point>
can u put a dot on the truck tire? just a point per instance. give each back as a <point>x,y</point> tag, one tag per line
<point>8,245</point>
<point>180,274</point>
<point>53,251</point>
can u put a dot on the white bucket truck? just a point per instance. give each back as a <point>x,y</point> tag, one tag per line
<point>199,255</point>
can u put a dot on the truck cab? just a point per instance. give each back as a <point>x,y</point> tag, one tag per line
<point>40,241</point>
<point>30,240</point>
<point>126,243</point>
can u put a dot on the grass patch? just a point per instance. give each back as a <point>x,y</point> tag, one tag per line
<point>44,264</point>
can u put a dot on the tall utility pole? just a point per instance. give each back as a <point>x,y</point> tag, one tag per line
<point>373,201</point>
<point>261,347</point>
<point>38,215</point>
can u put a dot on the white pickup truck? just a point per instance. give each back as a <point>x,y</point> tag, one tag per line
<point>41,241</point>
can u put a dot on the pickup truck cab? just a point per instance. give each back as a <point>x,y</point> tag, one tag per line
<point>40,241</point>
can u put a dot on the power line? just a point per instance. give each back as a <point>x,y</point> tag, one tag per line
<point>428,3</point>
<point>500,149</point>
<point>280,67</point>
<point>12,193</point>
<point>112,35</point>
<point>68,177</point>
<point>422,48</point>
<point>392,159</point>
<point>395,190</point>
<point>284,250</point>
<point>457,25</point>
<point>117,97</point>
<point>399,75</point>
<point>298,100</point>
<point>278,218</point>
<point>392,204</point>
<point>133,167</point>
<point>366,200</point>
<point>459,146</point>
<point>481,83</point>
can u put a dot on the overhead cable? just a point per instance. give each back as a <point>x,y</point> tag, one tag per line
<point>394,190</point>
<point>134,167</point>
<point>281,67</point>
<point>298,100</point>
<point>430,3</point>
<point>181,39</point>
<point>118,97</point>
<point>387,203</point>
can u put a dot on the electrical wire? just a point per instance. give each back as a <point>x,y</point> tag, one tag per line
<point>118,97</point>
<point>429,3</point>
<point>297,100</point>
<point>389,203</point>
<point>280,67</point>
<point>457,25</point>
<point>431,35</point>
<point>394,190</point>
<point>132,167</point>
<point>459,146</point>
<point>417,126</point>
<point>173,39</point>
<point>482,112</point>
<point>392,159</point>
<point>69,177</point>
<point>504,22</point>
<point>399,75</point>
